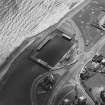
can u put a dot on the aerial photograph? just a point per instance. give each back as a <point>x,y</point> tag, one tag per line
<point>52,52</point>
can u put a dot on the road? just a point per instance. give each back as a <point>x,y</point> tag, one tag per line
<point>73,74</point>
<point>19,79</point>
<point>25,67</point>
<point>19,72</point>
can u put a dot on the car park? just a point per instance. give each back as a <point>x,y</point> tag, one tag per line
<point>52,49</point>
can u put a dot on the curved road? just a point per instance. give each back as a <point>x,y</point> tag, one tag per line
<point>71,75</point>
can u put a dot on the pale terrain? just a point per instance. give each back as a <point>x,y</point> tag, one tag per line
<point>21,19</point>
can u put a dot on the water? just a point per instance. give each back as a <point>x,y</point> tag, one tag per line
<point>32,17</point>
